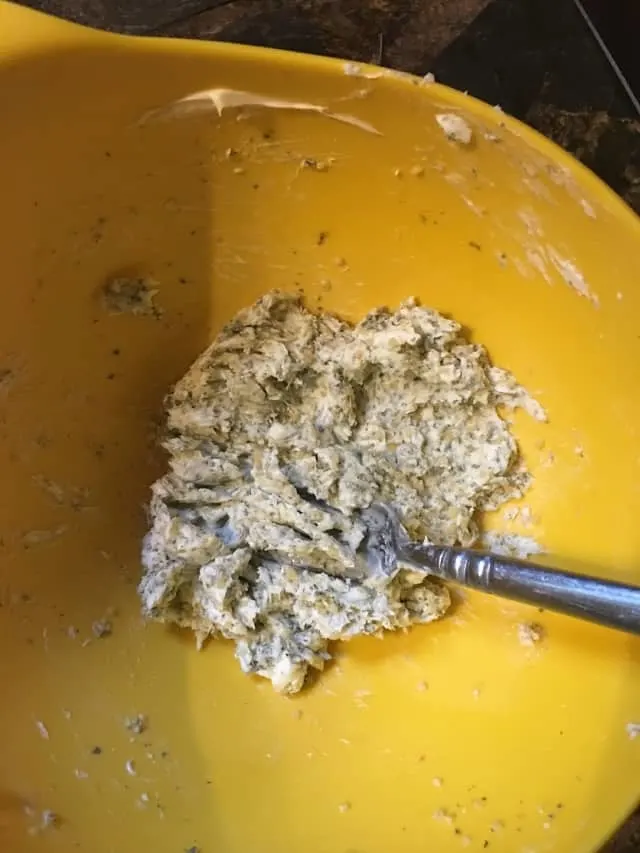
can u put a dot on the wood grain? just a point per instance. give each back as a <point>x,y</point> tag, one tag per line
<point>141,17</point>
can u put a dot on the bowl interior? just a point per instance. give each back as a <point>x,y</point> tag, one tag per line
<point>453,734</point>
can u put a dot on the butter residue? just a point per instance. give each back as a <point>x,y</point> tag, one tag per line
<point>354,69</point>
<point>455,127</point>
<point>511,544</point>
<point>572,276</point>
<point>225,99</point>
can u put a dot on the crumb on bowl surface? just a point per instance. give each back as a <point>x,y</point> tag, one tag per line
<point>455,127</point>
<point>127,295</point>
<point>530,633</point>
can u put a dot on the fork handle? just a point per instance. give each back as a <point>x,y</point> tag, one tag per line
<point>609,603</point>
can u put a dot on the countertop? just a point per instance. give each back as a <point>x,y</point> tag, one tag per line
<point>535,58</point>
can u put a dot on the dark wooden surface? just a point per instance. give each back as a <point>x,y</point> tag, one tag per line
<point>617,22</point>
<point>539,61</point>
<point>536,58</point>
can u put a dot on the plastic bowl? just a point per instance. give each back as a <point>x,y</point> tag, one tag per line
<point>450,735</point>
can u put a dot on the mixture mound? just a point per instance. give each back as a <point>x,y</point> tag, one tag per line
<point>280,433</point>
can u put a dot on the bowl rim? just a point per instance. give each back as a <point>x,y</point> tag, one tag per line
<point>25,31</point>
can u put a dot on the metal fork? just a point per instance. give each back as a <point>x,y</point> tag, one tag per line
<point>605,602</point>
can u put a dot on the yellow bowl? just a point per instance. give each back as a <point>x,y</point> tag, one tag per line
<point>343,184</point>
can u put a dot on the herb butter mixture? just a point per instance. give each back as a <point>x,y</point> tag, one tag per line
<point>286,427</point>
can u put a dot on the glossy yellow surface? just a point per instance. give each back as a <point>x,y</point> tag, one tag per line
<point>453,735</point>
